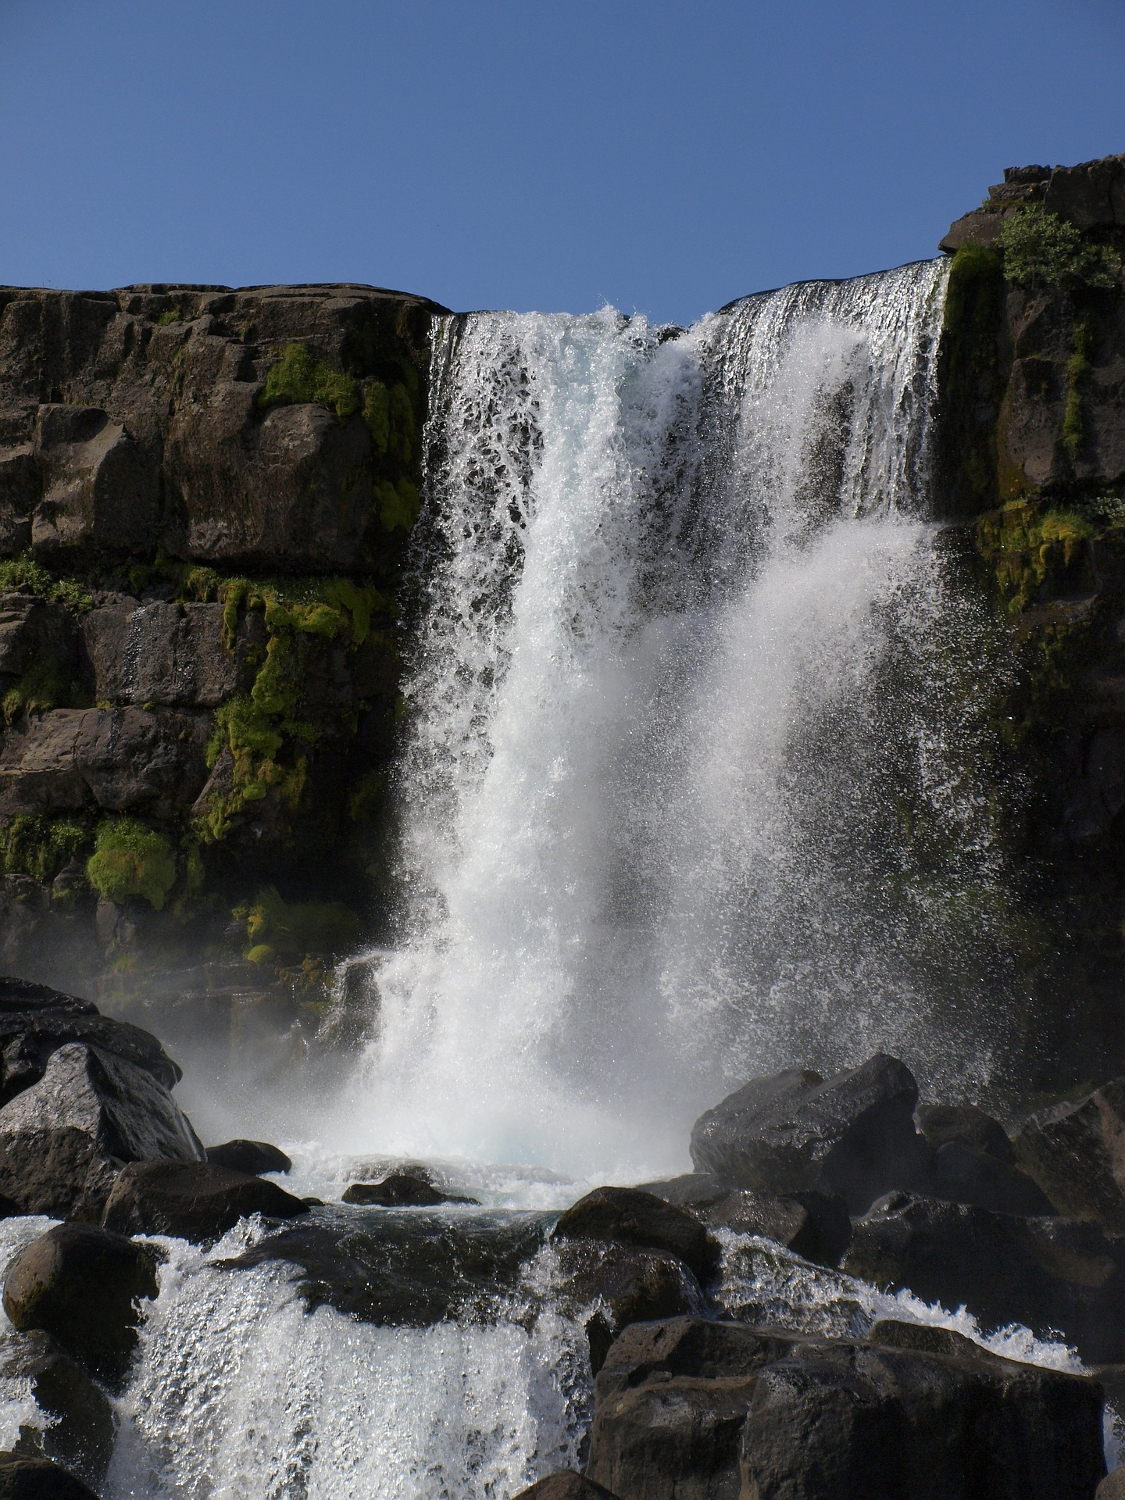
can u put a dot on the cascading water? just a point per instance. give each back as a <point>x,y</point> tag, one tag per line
<point>688,792</point>
<point>687,664</point>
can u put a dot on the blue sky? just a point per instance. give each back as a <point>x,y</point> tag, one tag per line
<point>664,157</point>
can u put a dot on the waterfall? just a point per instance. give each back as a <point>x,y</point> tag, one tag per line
<point>688,787</point>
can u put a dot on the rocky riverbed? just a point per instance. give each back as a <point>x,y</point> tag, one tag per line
<point>854,1293</point>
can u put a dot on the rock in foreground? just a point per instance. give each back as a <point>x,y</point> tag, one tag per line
<point>851,1134</point>
<point>82,1285</point>
<point>192,1200</point>
<point>1076,1154</point>
<point>38,1479</point>
<point>630,1216</point>
<point>64,1139</point>
<point>565,1485</point>
<point>690,1411</point>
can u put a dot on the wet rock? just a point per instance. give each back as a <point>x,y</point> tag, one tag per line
<point>565,1485</point>
<point>1047,1273</point>
<point>30,1034</point>
<point>26,995</point>
<point>400,1190</point>
<point>64,1139</point>
<point>159,653</point>
<point>962,1174</point>
<point>193,1200</point>
<point>611,1285</point>
<point>403,1270</point>
<point>690,1188</point>
<point>253,1157</point>
<point>35,631</point>
<point>81,1285</point>
<point>83,1427</point>
<point>693,1411</point>
<point>813,1225</point>
<point>1076,1154</point>
<point>630,1216</point>
<point>965,1124</point>
<point>39,1479</point>
<point>851,1134</point>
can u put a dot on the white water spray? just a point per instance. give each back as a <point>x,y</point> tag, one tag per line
<point>680,656</point>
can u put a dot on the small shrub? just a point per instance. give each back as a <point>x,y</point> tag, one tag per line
<point>25,573</point>
<point>1041,249</point>
<point>40,846</point>
<point>298,377</point>
<point>131,860</point>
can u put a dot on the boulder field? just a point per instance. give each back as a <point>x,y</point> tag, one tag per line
<point>695,1395</point>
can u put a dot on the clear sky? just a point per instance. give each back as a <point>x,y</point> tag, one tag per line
<point>663,156</point>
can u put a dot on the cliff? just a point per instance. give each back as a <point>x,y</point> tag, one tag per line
<point>1032,471</point>
<point>205,498</point>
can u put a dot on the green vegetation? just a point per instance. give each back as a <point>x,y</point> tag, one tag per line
<point>299,376</point>
<point>42,686</point>
<point>1041,249</point>
<point>1024,542</point>
<point>169,315</point>
<point>131,860</point>
<point>25,573</point>
<point>39,847</point>
<point>277,929</point>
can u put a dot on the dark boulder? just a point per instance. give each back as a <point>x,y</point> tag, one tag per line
<point>1047,1273</point>
<point>967,1125</point>
<point>64,1139</point>
<point>28,1038</point>
<point>610,1286</point>
<point>192,1200</point>
<point>630,1216</point>
<point>689,1189</point>
<point>851,1134</point>
<point>698,1411</point>
<point>26,995</point>
<point>1076,1154</point>
<point>254,1157</point>
<point>402,1270</point>
<point>83,1427</point>
<point>81,1285</point>
<point>963,1174</point>
<point>813,1225</point>
<point>565,1485</point>
<point>400,1190</point>
<point>38,1479</point>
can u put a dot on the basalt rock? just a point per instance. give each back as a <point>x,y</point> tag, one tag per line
<point>964,1125</point>
<point>962,1174</point>
<point>1112,1486</point>
<point>813,1225</point>
<point>82,1285</point>
<point>64,1139</point>
<point>565,1485</point>
<point>851,1134</point>
<point>39,1479</point>
<point>1047,1273</point>
<point>630,1216</point>
<point>194,1200</point>
<point>253,1157</point>
<point>1076,1154</point>
<point>400,1190</point>
<point>83,1428</point>
<point>697,1411</point>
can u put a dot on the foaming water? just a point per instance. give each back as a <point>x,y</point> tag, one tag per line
<point>687,789</point>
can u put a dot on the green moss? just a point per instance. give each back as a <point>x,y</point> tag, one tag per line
<point>298,376</point>
<point>25,573</point>
<point>131,860</point>
<point>399,504</point>
<point>1042,249</point>
<point>294,930</point>
<point>377,415</point>
<point>169,315</point>
<point>1024,542</point>
<point>43,686</point>
<point>39,847</point>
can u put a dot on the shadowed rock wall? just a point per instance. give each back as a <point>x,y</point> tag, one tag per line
<point>205,496</point>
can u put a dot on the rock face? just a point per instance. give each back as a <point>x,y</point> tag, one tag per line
<point>64,1139</point>
<point>205,496</point>
<point>851,1134</point>
<point>82,1286</point>
<point>1048,1273</point>
<point>688,1409</point>
<point>83,1427</point>
<point>1077,1156</point>
<point>192,1200</point>
<point>629,1216</point>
